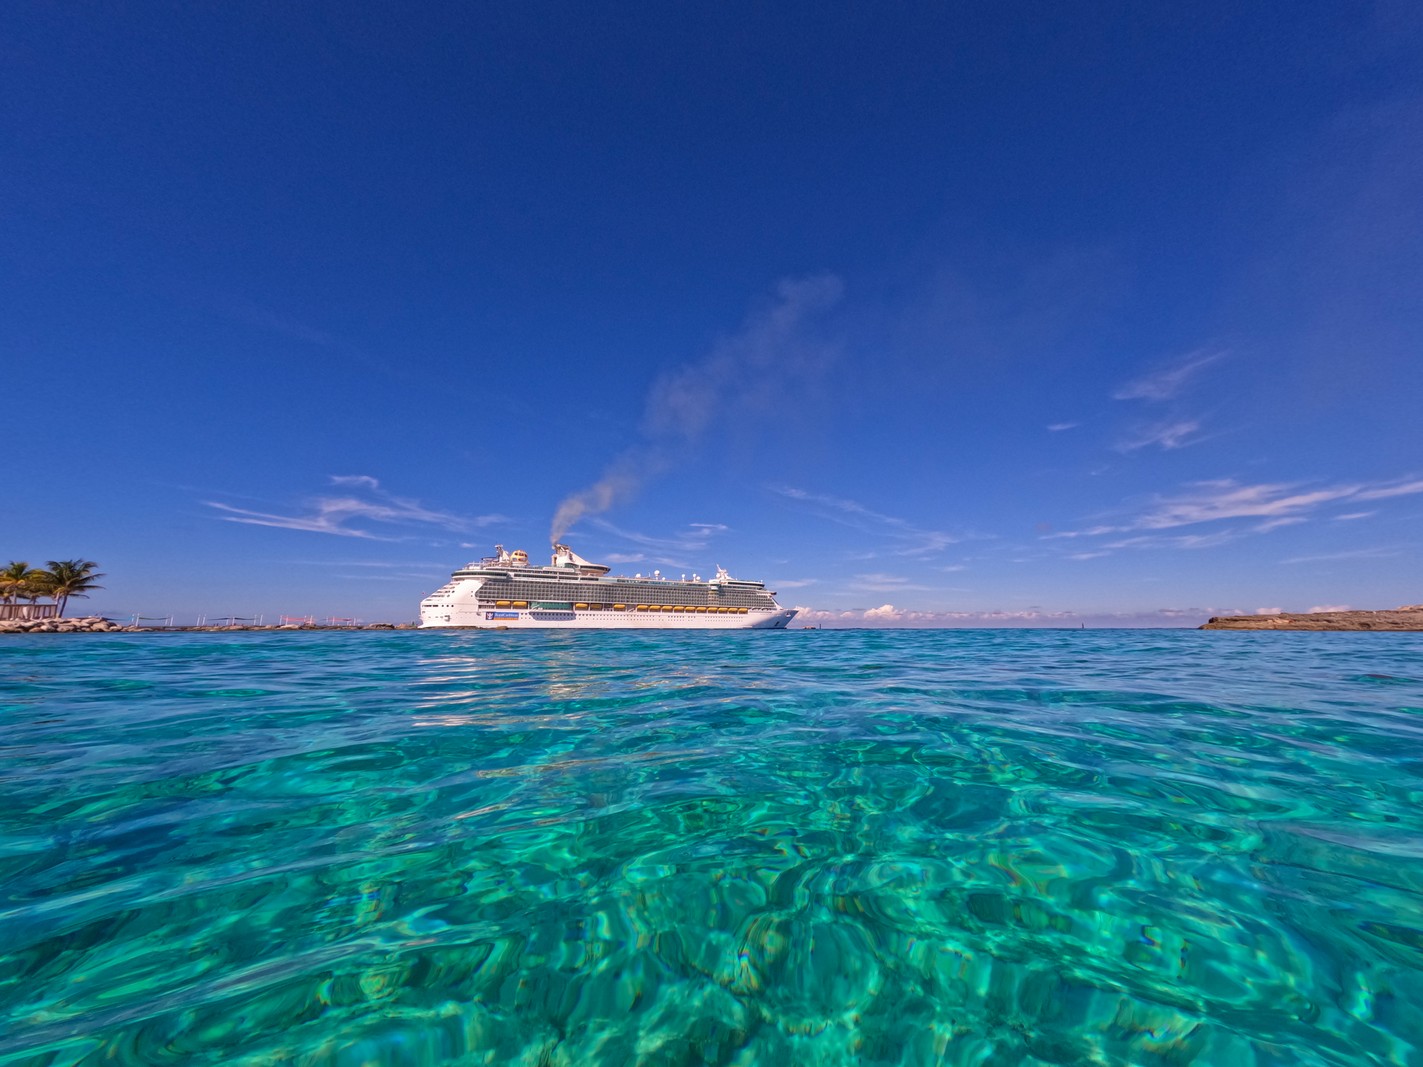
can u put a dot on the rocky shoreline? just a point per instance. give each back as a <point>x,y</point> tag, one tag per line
<point>96,624</point>
<point>1409,617</point>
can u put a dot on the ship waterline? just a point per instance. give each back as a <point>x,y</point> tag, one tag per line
<point>504,591</point>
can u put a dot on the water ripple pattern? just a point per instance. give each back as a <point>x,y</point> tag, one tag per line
<point>799,848</point>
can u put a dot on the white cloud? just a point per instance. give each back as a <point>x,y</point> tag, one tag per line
<point>1397,489</point>
<point>912,540</point>
<point>358,481</point>
<point>1091,531</point>
<point>884,583</point>
<point>696,537</point>
<point>1377,552</point>
<point>442,565</point>
<point>1226,499</point>
<point>1330,607</point>
<point>1168,435</point>
<point>884,611</point>
<point>1213,501</point>
<point>1167,382</point>
<point>336,514</point>
<point>1275,524</point>
<point>1058,427</point>
<point>1210,540</point>
<point>1354,515</point>
<point>1275,504</point>
<point>1269,611</point>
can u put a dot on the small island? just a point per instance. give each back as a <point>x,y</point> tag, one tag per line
<point>1408,617</point>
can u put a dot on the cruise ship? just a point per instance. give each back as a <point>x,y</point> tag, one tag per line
<point>504,591</point>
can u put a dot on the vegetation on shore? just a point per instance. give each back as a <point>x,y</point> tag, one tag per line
<point>58,580</point>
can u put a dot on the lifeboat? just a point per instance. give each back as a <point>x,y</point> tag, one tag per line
<point>620,607</point>
<point>678,607</point>
<point>580,607</point>
<point>519,604</point>
<point>642,607</point>
<point>501,603</point>
<point>595,607</point>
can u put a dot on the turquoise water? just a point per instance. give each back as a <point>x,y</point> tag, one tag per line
<point>963,847</point>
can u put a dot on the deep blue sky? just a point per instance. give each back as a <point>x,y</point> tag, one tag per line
<point>980,311</point>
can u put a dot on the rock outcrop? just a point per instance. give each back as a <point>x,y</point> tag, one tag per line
<point>98,624</point>
<point>1409,617</point>
<point>88,624</point>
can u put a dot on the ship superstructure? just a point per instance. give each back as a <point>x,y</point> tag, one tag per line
<point>505,591</point>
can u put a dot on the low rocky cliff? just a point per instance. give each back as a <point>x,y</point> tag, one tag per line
<point>97,624</point>
<point>88,624</point>
<point>1409,617</point>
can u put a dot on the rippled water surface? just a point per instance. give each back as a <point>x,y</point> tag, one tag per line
<point>808,847</point>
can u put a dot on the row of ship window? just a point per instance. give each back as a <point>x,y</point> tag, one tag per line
<point>675,597</point>
<point>700,609</point>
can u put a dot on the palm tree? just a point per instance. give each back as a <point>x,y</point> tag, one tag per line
<point>68,577</point>
<point>17,581</point>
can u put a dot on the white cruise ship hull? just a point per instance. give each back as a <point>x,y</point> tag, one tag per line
<point>503,592</point>
<point>507,619</point>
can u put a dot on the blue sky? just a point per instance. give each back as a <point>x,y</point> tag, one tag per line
<point>947,314</point>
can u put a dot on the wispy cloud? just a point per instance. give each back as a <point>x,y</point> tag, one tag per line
<point>1272,504</point>
<point>694,538</point>
<point>409,576</point>
<point>885,583</point>
<point>1354,516</point>
<point>1169,435</point>
<point>255,315</point>
<point>1383,492</point>
<point>1378,552</point>
<point>910,540</point>
<point>1168,381</point>
<point>1198,540</point>
<point>1058,427</point>
<point>1275,524</point>
<point>1225,498</point>
<point>350,515</point>
<point>441,565</point>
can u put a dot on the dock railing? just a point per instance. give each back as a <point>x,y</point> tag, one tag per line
<point>29,611</point>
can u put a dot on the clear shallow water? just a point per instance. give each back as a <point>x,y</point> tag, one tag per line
<point>963,847</point>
